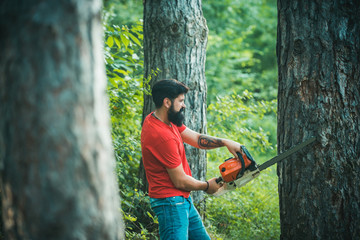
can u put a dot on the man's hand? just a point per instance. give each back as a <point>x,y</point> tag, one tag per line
<point>213,186</point>
<point>233,147</point>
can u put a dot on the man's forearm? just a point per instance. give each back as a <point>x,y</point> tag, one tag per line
<point>189,183</point>
<point>209,142</point>
<point>183,181</point>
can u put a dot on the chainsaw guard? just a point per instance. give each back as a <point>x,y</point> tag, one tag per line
<point>229,186</point>
<point>234,168</point>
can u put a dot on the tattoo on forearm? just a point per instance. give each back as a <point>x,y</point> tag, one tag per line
<point>209,142</point>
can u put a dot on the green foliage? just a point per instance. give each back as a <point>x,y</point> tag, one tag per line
<point>241,47</point>
<point>239,117</point>
<point>123,11</point>
<point>141,223</point>
<point>241,59</point>
<point>251,211</point>
<point>124,67</point>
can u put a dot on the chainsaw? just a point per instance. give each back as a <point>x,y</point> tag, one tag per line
<point>235,173</point>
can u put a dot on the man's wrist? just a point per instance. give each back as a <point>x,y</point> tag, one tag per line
<point>207,186</point>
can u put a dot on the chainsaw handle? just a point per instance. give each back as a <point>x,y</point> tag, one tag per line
<point>242,164</point>
<point>219,179</point>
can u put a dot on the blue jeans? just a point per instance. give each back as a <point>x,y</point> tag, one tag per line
<point>178,219</point>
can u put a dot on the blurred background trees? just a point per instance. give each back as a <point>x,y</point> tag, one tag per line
<point>56,152</point>
<point>241,76</point>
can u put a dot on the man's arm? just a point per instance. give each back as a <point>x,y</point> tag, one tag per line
<point>208,142</point>
<point>188,183</point>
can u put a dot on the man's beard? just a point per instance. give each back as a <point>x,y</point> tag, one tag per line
<point>176,118</point>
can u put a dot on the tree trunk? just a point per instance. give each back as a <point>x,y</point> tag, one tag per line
<point>318,52</point>
<point>56,158</point>
<point>175,38</point>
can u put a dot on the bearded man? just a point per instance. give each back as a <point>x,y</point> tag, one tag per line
<point>167,169</point>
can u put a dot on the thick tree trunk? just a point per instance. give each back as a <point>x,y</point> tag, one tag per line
<point>56,157</point>
<point>319,93</point>
<point>175,38</point>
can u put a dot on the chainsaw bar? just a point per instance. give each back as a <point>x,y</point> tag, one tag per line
<point>285,154</point>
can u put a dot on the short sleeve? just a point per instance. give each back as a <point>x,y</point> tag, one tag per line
<point>168,153</point>
<point>181,128</point>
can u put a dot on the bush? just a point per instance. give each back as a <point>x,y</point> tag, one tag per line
<point>124,67</point>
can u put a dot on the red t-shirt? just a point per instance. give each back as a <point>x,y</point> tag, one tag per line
<point>162,147</point>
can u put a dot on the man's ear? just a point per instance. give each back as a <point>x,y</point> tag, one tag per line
<point>167,103</point>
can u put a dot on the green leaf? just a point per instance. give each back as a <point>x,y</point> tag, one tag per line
<point>112,81</point>
<point>125,40</point>
<point>154,219</point>
<point>121,71</point>
<point>134,39</point>
<point>110,41</point>
<point>118,42</point>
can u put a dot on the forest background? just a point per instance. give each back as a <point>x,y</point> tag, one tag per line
<point>241,76</point>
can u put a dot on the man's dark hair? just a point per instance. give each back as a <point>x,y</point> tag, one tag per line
<point>168,88</point>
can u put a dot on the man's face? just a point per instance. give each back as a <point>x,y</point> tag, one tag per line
<point>176,111</point>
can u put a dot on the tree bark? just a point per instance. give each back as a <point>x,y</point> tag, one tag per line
<point>175,38</point>
<point>56,159</point>
<point>318,50</point>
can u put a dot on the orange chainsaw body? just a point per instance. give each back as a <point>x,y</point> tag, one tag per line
<point>231,168</point>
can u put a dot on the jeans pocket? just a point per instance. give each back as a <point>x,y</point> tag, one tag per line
<point>176,201</point>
